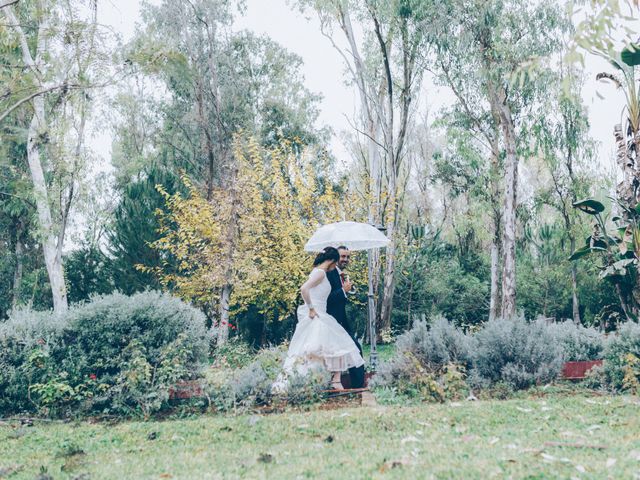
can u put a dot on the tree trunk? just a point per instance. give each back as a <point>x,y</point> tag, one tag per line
<point>223,328</point>
<point>388,286</point>
<point>52,259</point>
<point>510,201</point>
<point>494,300</point>
<point>574,286</point>
<point>17,275</point>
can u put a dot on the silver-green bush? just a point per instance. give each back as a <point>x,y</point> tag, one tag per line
<point>422,353</point>
<point>250,387</point>
<point>515,351</point>
<point>578,343</point>
<point>626,341</point>
<point>76,361</point>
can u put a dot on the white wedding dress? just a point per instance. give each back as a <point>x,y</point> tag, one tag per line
<point>319,342</point>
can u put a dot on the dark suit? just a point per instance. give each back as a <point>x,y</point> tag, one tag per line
<point>337,308</point>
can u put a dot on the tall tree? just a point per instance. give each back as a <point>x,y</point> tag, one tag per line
<point>562,139</point>
<point>384,65</point>
<point>57,58</point>
<point>504,40</point>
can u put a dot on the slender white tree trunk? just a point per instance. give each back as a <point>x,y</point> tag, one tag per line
<point>223,330</point>
<point>17,275</point>
<point>500,106</point>
<point>508,308</point>
<point>52,258</point>
<point>494,299</point>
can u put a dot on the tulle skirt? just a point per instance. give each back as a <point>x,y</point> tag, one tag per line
<point>320,342</point>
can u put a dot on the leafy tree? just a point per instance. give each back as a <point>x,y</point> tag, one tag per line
<point>135,227</point>
<point>280,204</point>
<point>495,41</point>
<point>59,53</point>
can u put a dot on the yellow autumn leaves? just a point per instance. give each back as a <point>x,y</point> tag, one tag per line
<point>251,234</point>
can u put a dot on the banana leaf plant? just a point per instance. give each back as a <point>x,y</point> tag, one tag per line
<point>619,248</point>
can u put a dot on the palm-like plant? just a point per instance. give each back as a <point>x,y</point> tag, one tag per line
<point>627,138</point>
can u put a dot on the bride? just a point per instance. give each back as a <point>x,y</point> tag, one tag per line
<point>319,340</point>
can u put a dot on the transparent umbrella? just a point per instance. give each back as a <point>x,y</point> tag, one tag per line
<point>353,235</point>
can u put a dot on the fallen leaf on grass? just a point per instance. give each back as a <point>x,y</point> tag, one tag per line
<point>548,458</point>
<point>265,458</point>
<point>386,466</point>
<point>410,438</point>
<point>166,475</point>
<point>575,445</point>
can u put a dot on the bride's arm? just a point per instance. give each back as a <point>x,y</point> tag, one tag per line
<point>314,280</point>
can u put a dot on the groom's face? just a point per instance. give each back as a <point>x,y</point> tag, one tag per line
<point>345,258</point>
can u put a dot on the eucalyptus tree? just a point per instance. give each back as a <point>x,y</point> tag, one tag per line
<point>562,140</point>
<point>59,60</point>
<point>384,66</point>
<point>507,44</point>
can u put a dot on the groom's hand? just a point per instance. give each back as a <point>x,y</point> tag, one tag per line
<point>347,286</point>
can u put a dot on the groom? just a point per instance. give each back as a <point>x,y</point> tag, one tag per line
<point>336,307</point>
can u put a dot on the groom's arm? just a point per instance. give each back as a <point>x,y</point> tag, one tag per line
<point>337,295</point>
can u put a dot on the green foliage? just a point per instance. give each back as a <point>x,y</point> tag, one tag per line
<point>87,273</point>
<point>621,344</point>
<point>235,353</point>
<point>142,386</point>
<point>517,352</point>
<point>116,354</point>
<point>428,363</point>
<point>578,343</point>
<point>435,278</point>
<point>135,227</point>
<point>509,354</point>
<point>250,387</point>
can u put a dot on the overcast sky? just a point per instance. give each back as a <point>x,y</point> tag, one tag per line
<point>324,71</point>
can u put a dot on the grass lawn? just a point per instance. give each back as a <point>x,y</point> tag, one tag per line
<point>563,437</point>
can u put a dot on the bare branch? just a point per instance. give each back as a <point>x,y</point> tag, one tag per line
<point>7,3</point>
<point>8,112</point>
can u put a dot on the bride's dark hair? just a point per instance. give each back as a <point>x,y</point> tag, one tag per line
<point>329,253</point>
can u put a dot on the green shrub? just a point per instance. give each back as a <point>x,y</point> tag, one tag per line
<point>578,343</point>
<point>250,387</point>
<point>116,354</point>
<point>235,353</point>
<point>625,342</point>
<point>427,362</point>
<point>435,345</point>
<point>515,351</point>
